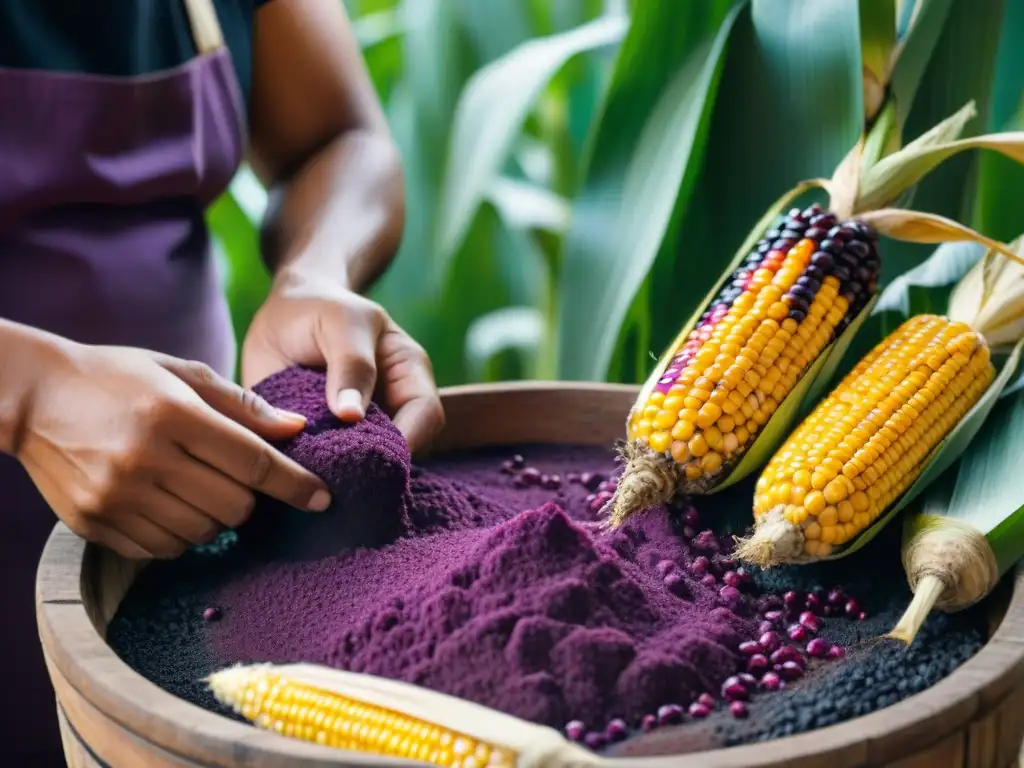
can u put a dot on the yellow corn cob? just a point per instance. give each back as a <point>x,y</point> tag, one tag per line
<point>867,442</point>
<point>781,308</point>
<point>385,717</point>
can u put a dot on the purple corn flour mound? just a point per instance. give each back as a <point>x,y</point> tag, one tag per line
<point>365,465</point>
<point>537,616</point>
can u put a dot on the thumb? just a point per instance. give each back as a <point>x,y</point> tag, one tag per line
<point>240,405</point>
<point>351,371</point>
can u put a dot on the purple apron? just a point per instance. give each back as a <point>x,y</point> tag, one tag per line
<point>103,184</point>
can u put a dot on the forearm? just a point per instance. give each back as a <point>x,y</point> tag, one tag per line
<point>25,354</point>
<point>341,216</point>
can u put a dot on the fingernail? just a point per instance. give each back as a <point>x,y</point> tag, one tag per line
<point>350,403</point>
<point>319,501</point>
<point>290,416</point>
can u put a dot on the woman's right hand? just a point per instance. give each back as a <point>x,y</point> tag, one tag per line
<point>147,454</point>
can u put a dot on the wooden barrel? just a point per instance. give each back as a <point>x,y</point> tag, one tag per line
<point>111,716</point>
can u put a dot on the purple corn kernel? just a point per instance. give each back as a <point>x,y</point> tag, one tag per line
<point>787,653</point>
<point>852,608</point>
<point>813,603</point>
<point>507,467</point>
<point>818,648</point>
<point>700,565</point>
<point>709,580</point>
<point>750,648</point>
<point>725,562</point>
<point>591,498</point>
<point>692,517</point>
<point>836,652</point>
<point>732,579</point>
<point>531,476</point>
<point>705,540</point>
<point>518,461</point>
<point>815,233</point>
<point>744,574</point>
<point>575,730</point>
<point>734,691</point>
<point>738,710</point>
<point>670,714</point>
<point>793,600</point>
<point>595,740</point>
<point>706,700</point>
<point>773,616</point>
<point>797,633</point>
<point>790,670</point>
<point>771,681</point>
<point>678,586</point>
<point>699,711</point>
<point>809,621</point>
<point>572,477</point>
<point>211,614</point>
<point>758,664</point>
<point>827,611</point>
<point>597,504</point>
<point>605,495</point>
<point>730,594</point>
<point>616,730</point>
<point>648,723</point>
<point>764,628</point>
<point>836,597</point>
<point>665,567</point>
<point>688,532</point>
<point>591,480</point>
<point>770,641</point>
<point>748,680</point>
<point>607,485</point>
<point>861,616</point>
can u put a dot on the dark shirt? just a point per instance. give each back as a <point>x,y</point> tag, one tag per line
<point>116,37</point>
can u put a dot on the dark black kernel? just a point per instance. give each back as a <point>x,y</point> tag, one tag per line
<point>862,274</point>
<point>809,283</point>
<point>841,272</point>
<point>783,244</point>
<point>823,220</point>
<point>794,225</point>
<point>855,288</point>
<point>815,233</point>
<point>790,234</point>
<point>848,260</point>
<point>800,303</point>
<point>764,246</point>
<point>858,248</point>
<point>823,261</point>
<point>814,272</point>
<point>797,314</point>
<point>831,246</point>
<point>837,233</point>
<point>801,292</point>
<point>772,234</point>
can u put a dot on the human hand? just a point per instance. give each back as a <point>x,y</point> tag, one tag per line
<point>147,454</point>
<point>364,351</point>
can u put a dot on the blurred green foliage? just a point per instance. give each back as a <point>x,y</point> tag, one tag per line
<point>580,171</point>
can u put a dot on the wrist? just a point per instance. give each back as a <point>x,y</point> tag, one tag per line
<point>309,280</point>
<point>26,355</point>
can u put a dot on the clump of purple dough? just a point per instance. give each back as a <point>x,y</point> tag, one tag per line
<point>365,465</point>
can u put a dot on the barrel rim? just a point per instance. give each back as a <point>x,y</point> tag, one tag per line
<point>80,653</point>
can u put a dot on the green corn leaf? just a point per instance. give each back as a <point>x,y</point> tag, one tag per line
<point>798,402</point>
<point>944,454</point>
<point>933,78</point>
<point>877,44</point>
<point>490,113</point>
<point>510,329</point>
<point>645,154</point>
<point>985,490</point>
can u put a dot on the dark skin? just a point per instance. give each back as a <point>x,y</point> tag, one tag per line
<point>147,454</point>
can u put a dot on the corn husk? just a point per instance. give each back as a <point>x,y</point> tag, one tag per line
<point>520,743</point>
<point>967,531</point>
<point>857,189</point>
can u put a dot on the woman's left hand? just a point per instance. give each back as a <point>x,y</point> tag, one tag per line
<point>317,324</point>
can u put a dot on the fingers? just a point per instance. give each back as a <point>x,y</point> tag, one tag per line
<point>212,493</point>
<point>181,520</point>
<point>114,540</point>
<point>151,537</point>
<point>421,417</point>
<point>238,404</point>
<point>236,452</point>
<point>350,350</point>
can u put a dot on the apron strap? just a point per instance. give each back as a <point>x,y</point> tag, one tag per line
<point>206,31</point>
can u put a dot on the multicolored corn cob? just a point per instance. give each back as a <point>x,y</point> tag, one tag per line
<point>802,286</point>
<point>868,441</point>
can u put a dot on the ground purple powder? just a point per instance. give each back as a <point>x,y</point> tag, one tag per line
<point>508,596</point>
<point>365,465</point>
